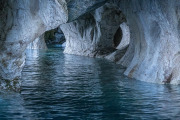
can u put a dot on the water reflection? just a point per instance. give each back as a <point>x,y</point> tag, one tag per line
<point>58,86</point>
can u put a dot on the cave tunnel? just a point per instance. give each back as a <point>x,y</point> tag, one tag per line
<point>90,59</point>
<point>51,38</point>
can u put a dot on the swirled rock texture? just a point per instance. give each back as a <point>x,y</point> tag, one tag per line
<point>78,8</point>
<point>93,35</point>
<point>154,53</point>
<point>22,21</point>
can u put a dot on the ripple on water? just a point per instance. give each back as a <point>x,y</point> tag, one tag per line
<point>60,86</point>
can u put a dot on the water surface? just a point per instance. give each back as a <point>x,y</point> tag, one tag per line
<point>60,86</point>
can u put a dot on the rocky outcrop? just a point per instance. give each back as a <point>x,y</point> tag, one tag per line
<point>153,54</point>
<point>38,43</point>
<point>93,35</point>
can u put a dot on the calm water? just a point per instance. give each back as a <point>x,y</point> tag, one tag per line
<point>62,87</point>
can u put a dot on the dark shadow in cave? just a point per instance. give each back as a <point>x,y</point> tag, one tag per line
<point>117,37</point>
<point>55,38</point>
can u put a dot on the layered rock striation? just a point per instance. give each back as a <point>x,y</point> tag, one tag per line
<point>153,54</point>
<point>38,43</point>
<point>152,27</point>
<point>22,21</point>
<point>93,34</point>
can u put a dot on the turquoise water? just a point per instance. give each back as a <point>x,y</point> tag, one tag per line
<point>68,87</point>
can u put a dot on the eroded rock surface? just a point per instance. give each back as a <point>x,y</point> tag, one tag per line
<point>93,35</point>
<point>38,43</point>
<point>153,54</point>
<point>22,21</point>
<point>78,8</point>
<point>124,42</point>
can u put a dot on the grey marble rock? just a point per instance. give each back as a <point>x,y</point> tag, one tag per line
<point>93,34</point>
<point>154,51</point>
<point>38,43</point>
<point>78,8</point>
<point>22,21</point>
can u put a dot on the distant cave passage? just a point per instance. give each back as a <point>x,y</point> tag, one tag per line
<point>51,38</point>
<point>54,36</point>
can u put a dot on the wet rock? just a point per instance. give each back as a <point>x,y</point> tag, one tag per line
<point>78,8</point>
<point>38,43</point>
<point>153,53</point>
<point>22,21</point>
<point>93,35</point>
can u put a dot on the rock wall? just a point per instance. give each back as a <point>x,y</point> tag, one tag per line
<point>125,40</point>
<point>93,35</point>
<point>78,8</point>
<point>38,43</point>
<point>123,36</point>
<point>154,53</point>
<point>22,21</point>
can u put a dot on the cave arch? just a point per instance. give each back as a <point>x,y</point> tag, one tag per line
<point>51,38</point>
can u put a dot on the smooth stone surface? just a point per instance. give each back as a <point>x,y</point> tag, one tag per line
<point>93,35</point>
<point>22,21</point>
<point>125,36</point>
<point>153,53</point>
<point>38,43</point>
<point>78,8</point>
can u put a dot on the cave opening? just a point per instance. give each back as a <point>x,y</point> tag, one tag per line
<point>55,38</point>
<point>52,38</point>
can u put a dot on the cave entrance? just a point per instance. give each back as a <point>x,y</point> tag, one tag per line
<point>55,38</point>
<point>51,38</point>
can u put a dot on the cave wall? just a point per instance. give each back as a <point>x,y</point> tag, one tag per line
<point>38,43</point>
<point>22,21</point>
<point>93,34</point>
<point>125,39</point>
<point>78,8</point>
<point>153,54</point>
